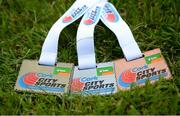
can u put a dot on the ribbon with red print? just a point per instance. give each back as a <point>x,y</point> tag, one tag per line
<point>94,11</point>
<point>85,36</point>
<point>49,50</point>
<point>111,18</point>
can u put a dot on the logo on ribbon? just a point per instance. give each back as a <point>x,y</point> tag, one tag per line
<point>110,13</point>
<point>74,14</point>
<point>92,17</point>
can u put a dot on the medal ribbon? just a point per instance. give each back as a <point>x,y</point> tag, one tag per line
<point>85,36</point>
<point>49,50</point>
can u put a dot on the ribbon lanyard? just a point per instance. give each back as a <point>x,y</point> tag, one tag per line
<point>49,50</point>
<point>100,9</point>
<point>111,18</point>
<point>85,36</point>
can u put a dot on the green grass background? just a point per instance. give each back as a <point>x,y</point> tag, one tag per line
<point>24,25</point>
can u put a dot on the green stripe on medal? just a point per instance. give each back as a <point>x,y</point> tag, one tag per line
<point>149,59</point>
<point>104,71</point>
<point>58,70</point>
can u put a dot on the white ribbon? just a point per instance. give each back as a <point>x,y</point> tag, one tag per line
<point>85,36</point>
<point>50,46</point>
<point>111,18</point>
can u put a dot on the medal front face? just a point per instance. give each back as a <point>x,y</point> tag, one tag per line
<point>44,79</point>
<point>150,67</point>
<point>100,80</point>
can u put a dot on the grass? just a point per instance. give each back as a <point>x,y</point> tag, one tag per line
<point>25,23</point>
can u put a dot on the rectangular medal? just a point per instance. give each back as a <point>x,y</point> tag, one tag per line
<point>44,79</point>
<point>150,67</point>
<point>100,80</point>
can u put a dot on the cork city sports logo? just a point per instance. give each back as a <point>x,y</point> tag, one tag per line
<point>67,19</point>
<point>74,14</point>
<point>40,81</point>
<point>77,85</point>
<point>92,85</point>
<point>110,13</point>
<point>30,79</point>
<point>140,75</point>
<point>127,78</point>
<point>92,17</point>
